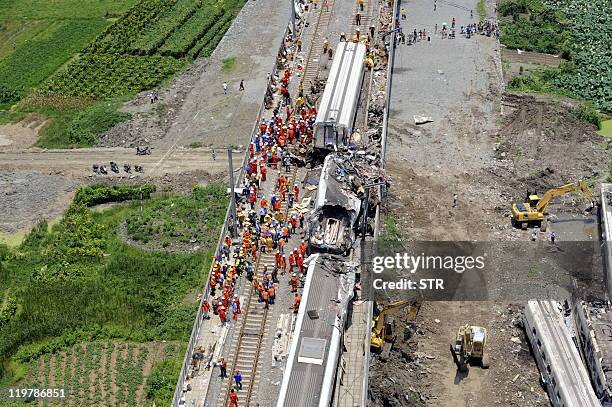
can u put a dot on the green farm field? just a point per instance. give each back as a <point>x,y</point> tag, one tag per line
<point>81,288</point>
<point>68,58</point>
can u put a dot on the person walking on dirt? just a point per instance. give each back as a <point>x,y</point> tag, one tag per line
<point>241,87</point>
<point>225,88</point>
<point>403,13</point>
<point>325,45</point>
<point>358,18</point>
<point>435,5</point>
<point>455,200</point>
<point>553,236</point>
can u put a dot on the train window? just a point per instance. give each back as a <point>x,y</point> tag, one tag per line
<point>539,343</point>
<point>548,368</point>
<point>533,330</point>
<point>543,356</point>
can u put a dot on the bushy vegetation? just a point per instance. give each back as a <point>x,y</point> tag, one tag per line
<point>578,29</point>
<point>89,124</point>
<point>79,282</point>
<point>163,378</point>
<point>531,25</point>
<point>99,194</point>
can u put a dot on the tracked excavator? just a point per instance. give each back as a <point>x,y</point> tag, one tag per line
<point>383,334</point>
<point>470,346</point>
<point>533,212</point>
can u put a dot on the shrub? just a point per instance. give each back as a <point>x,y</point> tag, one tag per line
<point>588,114</point>
<point>99,194</point>
<point>88,125</point>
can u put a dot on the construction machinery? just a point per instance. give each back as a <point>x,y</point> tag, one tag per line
<point>470,346</point>
<point>383,334</point>
<point>534,213</point>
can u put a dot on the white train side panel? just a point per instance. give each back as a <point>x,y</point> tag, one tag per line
<point>566,379</point>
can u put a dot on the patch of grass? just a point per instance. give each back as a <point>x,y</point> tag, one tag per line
<point>196,144</point>
<point>609,177</point>
<point>606,128</point>
<point>180,223</point>
<point>390,230</point>
<point>36,60</point>
<point>228,64</point>
<point>481,9</point>
<point>81,129</point>
<point>62,9</point>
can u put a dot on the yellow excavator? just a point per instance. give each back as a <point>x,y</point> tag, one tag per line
<point>470,346</point>
<point>534,212</point>
<point>382,328</point>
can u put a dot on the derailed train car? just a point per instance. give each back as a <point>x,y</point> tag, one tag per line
<point>336,210</point>
<point>336,115</point>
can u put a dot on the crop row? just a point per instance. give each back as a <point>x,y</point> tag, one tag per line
<point>104,76</point>
<point>117,38</point>
<point>209,41</point>
<point>156,35</point>
<point>193,30</point>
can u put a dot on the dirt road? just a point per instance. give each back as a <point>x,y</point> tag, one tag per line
<point>78,163</point>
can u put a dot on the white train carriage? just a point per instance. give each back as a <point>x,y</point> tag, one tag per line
<point>565,377</point>
<point>336,115</point>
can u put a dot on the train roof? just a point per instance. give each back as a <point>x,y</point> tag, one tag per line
<point>309,374</point>
<point>343,86</point>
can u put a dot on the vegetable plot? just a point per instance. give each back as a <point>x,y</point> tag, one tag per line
<point>147,45</point>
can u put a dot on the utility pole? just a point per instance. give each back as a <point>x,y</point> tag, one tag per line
<point>232,224</point>
<point>293,33</point>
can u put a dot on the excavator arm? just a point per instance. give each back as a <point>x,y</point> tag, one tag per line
<point>562,190</point>
<point>379,322</point>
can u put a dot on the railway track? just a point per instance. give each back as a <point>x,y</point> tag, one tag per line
<point>312,66</point>
<point>246,346</point>
<point>369,18</point>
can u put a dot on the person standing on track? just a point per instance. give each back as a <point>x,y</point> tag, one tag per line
<point>360,2</point>
<point>358,18</point>
<point>225,88</point>
<point>238,379</point>
<point>233,398</point>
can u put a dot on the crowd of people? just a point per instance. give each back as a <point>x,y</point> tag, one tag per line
<point>265,225</point>
<point>483,27</point>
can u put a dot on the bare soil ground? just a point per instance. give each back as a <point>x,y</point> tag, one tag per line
<point>489,148</point>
